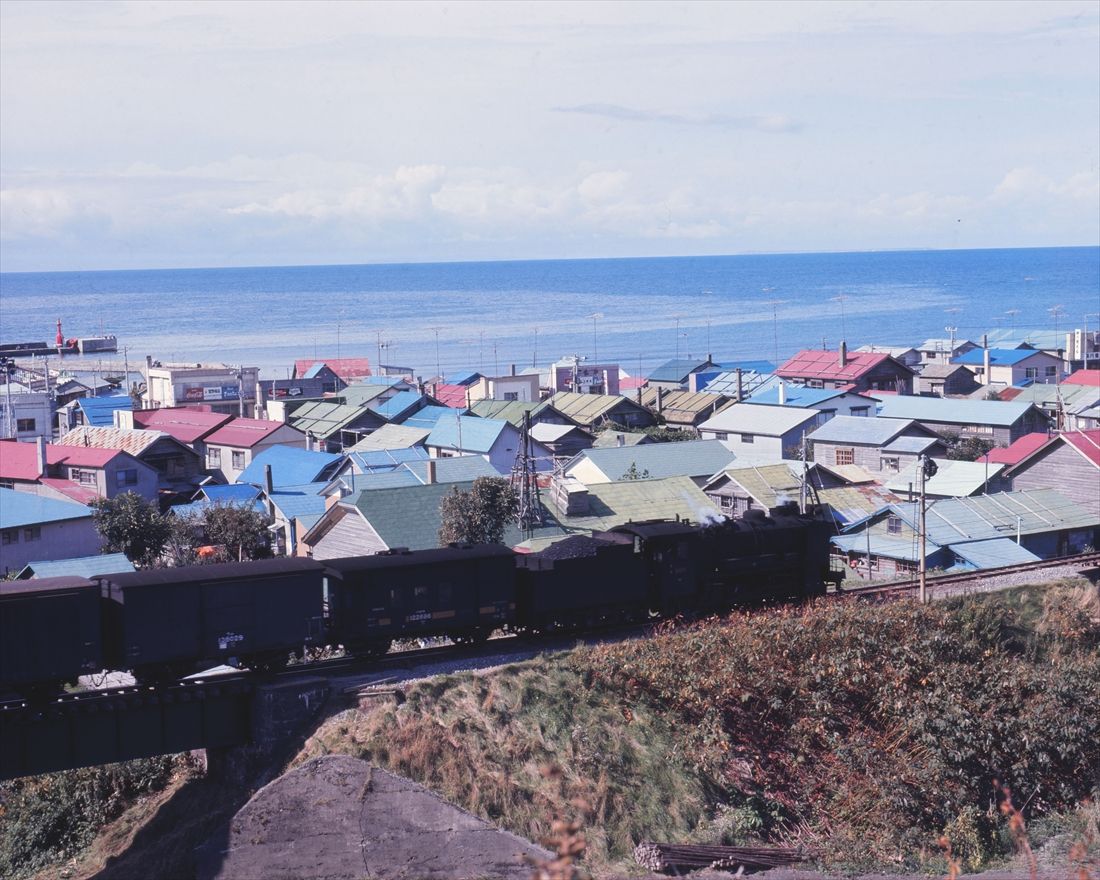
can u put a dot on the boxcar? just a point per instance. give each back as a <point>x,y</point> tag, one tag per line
<point>49,632</point>
<point>462,592</point>
<point>582,581</point>
<point>172,621</point>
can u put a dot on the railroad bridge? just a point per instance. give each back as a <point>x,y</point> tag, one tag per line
<point>102,727</point>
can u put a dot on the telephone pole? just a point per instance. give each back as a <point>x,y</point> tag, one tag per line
<point>928,469</point>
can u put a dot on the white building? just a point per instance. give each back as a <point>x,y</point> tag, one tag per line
<point>759,430</point>
<point>224,388</point>
<point>30,415</point>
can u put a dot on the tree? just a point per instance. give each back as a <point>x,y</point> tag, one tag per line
<point>480,515</point>
<point>966,448</point>
<point>129,524</point>
<point>240,529</point>
<point>632,473</point>
<point>182,541</point>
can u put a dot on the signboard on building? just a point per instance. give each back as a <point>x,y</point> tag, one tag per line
<point>211,392</point>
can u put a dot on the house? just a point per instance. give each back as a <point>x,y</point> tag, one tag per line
<point>274,394</point>
<point>563,441</point>
<point>417,472</point>
<point>856,371</point>
<point>334,427</point>
<point>994,420</point>
<point>1068,462</point>
<point>620,438</point>
<point>1076,348</point>
<point>730,379</point>
<point>1066,405</point>
<point>945,380</point>
<point>1017,451</point>
<point>904,354</point>
<point>495,439</point>
<point>231,448</point>
<point>953,479</point>
<point>78,566</point>
<point>345,371</point>
<point>31,415</point>
<point>75,473</point>
<point>224,388</point>
<point>428,417</point>
<point>697,459</point>
<point>392,437</point>
<point>760,431</point>
<point>34,527</point>
<point>1005,366</point>
<point>178,466</point>
<point>294,510</point>
<point>573,375</point>
<point>189,425</point>
<point>942,351</point>
<point>379,460</point>
<point>290,466</point>
<point>827,401</point>
<point>523,387</point>
<point>96,411</point>
<point>675,373</point>
<point>373,521</point>
<point>401,405</point>
<point>980,532</point>
<point>879,445</point>
<point>595,411</point>
<point>685,410</point>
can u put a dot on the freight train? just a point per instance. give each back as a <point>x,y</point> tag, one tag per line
<point>164,624</point>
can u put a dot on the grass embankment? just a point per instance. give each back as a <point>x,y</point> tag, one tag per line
<point>862,731</point>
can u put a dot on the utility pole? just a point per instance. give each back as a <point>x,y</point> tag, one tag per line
<point>525,482</point>
<point>535,353</point>
<point>802,482</point>
<point>927,469</point>
<point>8,366</point>
<point>240,391</point>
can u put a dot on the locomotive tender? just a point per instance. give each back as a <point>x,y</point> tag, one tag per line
<point>163,624</point>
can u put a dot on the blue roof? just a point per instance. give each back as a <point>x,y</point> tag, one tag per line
<point>379,460</point>
<point>24,509</point>
<point>234,493</point>
<point>80,566</point>
<point>998,357</point>
<point>397,405</point>
<point>675,370</point>
<point>314,371</point>
<point>429,416</point>
<point>992,553</point>
<point>100,411</point>
<point>300,501</point>
<point>466,377</point>
<point>953,410</point>
<point>796,395</point>
<point>290,466</point>
<point>388,381</point>
<point>466,432</point>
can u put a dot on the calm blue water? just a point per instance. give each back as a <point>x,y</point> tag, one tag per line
<point>490,315</point>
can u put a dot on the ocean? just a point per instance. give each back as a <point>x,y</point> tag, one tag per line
<point>487,316</point>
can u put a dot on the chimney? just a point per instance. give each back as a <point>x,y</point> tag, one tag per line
<point>985,341</point>
<point>782,393</point>
<point>660,399</point>
<point>40,454</point>
<point>843,350</point>
<point>985,366</point>
<point>620,440</point>
<point>740,389</point>
<point>429,467</point>
<point>269,490</point>
<point>513,370</point>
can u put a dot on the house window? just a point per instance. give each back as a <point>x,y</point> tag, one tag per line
<point>815,383</point>
<point>825,415</point>
<point>861,411</point>
<point>748,438</point>
<point>127,477</point>
<point>721,435</point>
<point>845,456</point>
<point>84,478</point>
<point>511,395</point>
<point>238,459</point>
<point>893,525</point>
<point>7,484</point>
<point>1031,372</point>
<point>904,565</point>
<point>725,502</point>
<point>9,536</point>
<point>1051,372</point>
<point>889,463</point>
<point>214,457</point>
<point>24,424</point>
<point>32,533</point>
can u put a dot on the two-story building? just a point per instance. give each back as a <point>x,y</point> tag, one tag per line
<point>999,421</point>
<point>760,431</point>
<point>878,445</point>
<point>1011,366</point>
<point>224,388</point>
<point>855,371</point>
<point>231,448</point>
<point>33,527</point>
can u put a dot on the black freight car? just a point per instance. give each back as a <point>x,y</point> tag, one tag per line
<point>582,581</point>
<point>671,557</point>
<point>49,633</point>
<point>163,623</point>
<point>461,592</point>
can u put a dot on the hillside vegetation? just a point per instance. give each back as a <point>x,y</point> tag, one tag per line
<point>862,732</point>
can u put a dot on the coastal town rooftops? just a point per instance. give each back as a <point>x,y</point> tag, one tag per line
<point>132,440</point>
<point>392,437</point>
<point>100,411</point>
<point>998,357</point>
<point>183,423</point>
<point>953,410</point>
<point>18,509</point>
<point>768,421</point>
<point>290,466</point>
<point>691,458</point>
<point>865,431</point>
<point>1017,451</point>
<point>244,433</point>
<point>469,433</point>
<point>823,364</point>
<point>346,368</point>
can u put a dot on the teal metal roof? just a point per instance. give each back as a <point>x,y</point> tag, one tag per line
<point>467,433</point>
<point>80,566</point>
<point>992,553</point>
<point>958,411</point>
<point>19,509</point>
<point>862,431</point>
<point>687,458</point>
<point>953,478</point>
<point>290,466</point>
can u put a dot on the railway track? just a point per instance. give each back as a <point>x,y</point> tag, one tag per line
<point>1080,561</point>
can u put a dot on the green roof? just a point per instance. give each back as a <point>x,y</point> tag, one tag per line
<point>324,418</point>
<point>510,411</point>
<point>586,409</point>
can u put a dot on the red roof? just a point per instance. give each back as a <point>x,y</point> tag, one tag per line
<point>81,456</point>
<point>70,490</point>
<point>1083,377</point>
<point>244,433</point>
<point>1009,393</point>
<point>632,383</point>
<point>1018,451</point>
<point>18,461</point>
<point>453,396</point>
<point>346,368</point>
<point>817,364</point>
<point>1085,442</point>
<point>183,423</point>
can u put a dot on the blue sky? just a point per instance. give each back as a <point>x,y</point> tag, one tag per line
<point>203,134</point>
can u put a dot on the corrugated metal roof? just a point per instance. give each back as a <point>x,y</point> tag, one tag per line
<point>399,405</point>
<point>993,553</point>
<point>186,425</point>
<point>796,395</point>
<point>684,406</point>
<point>450,395</point>
<point>1083,377</point>
<point>998,357</point>
<point>429,416</point>
<point>881,545</point>
<point>751,381</point>
<point>510,410</point>
<point>376,460</point>
<point>79,566</point>
<point>345,368</point>
<point>585,409</point>
<point>953,410</point>
<point>100,411</point>
<point>132,440</point>
<point>690,458</point>
<point>611,438</point>
<point>940,371</point>
<point>952,479</point>
<point>24,509</point>
<point>546,432</point>
<point>362,393</point>
<point>678,370</point>
<point>1085,442</point>
<point>231,494</point>
<point>299,501</point>
<point>72,491</point>
<point>769,421</point>
<point>290,466</point>
<point>244,433</point>
<point>392,437</point>
<point>863,431</point>
<point>911,445</point>
<point>468,433</point>
<point>817,364</point>
<point>1017,451</point>
<point>464,377</point>
<point>323,418</point>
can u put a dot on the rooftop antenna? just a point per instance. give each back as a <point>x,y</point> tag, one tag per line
<point>595,316</point>
<point>525,481</point>
<point>535,353</point>
<point>840,298</point>
<point>952,330</point>
<point>774,303</point>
